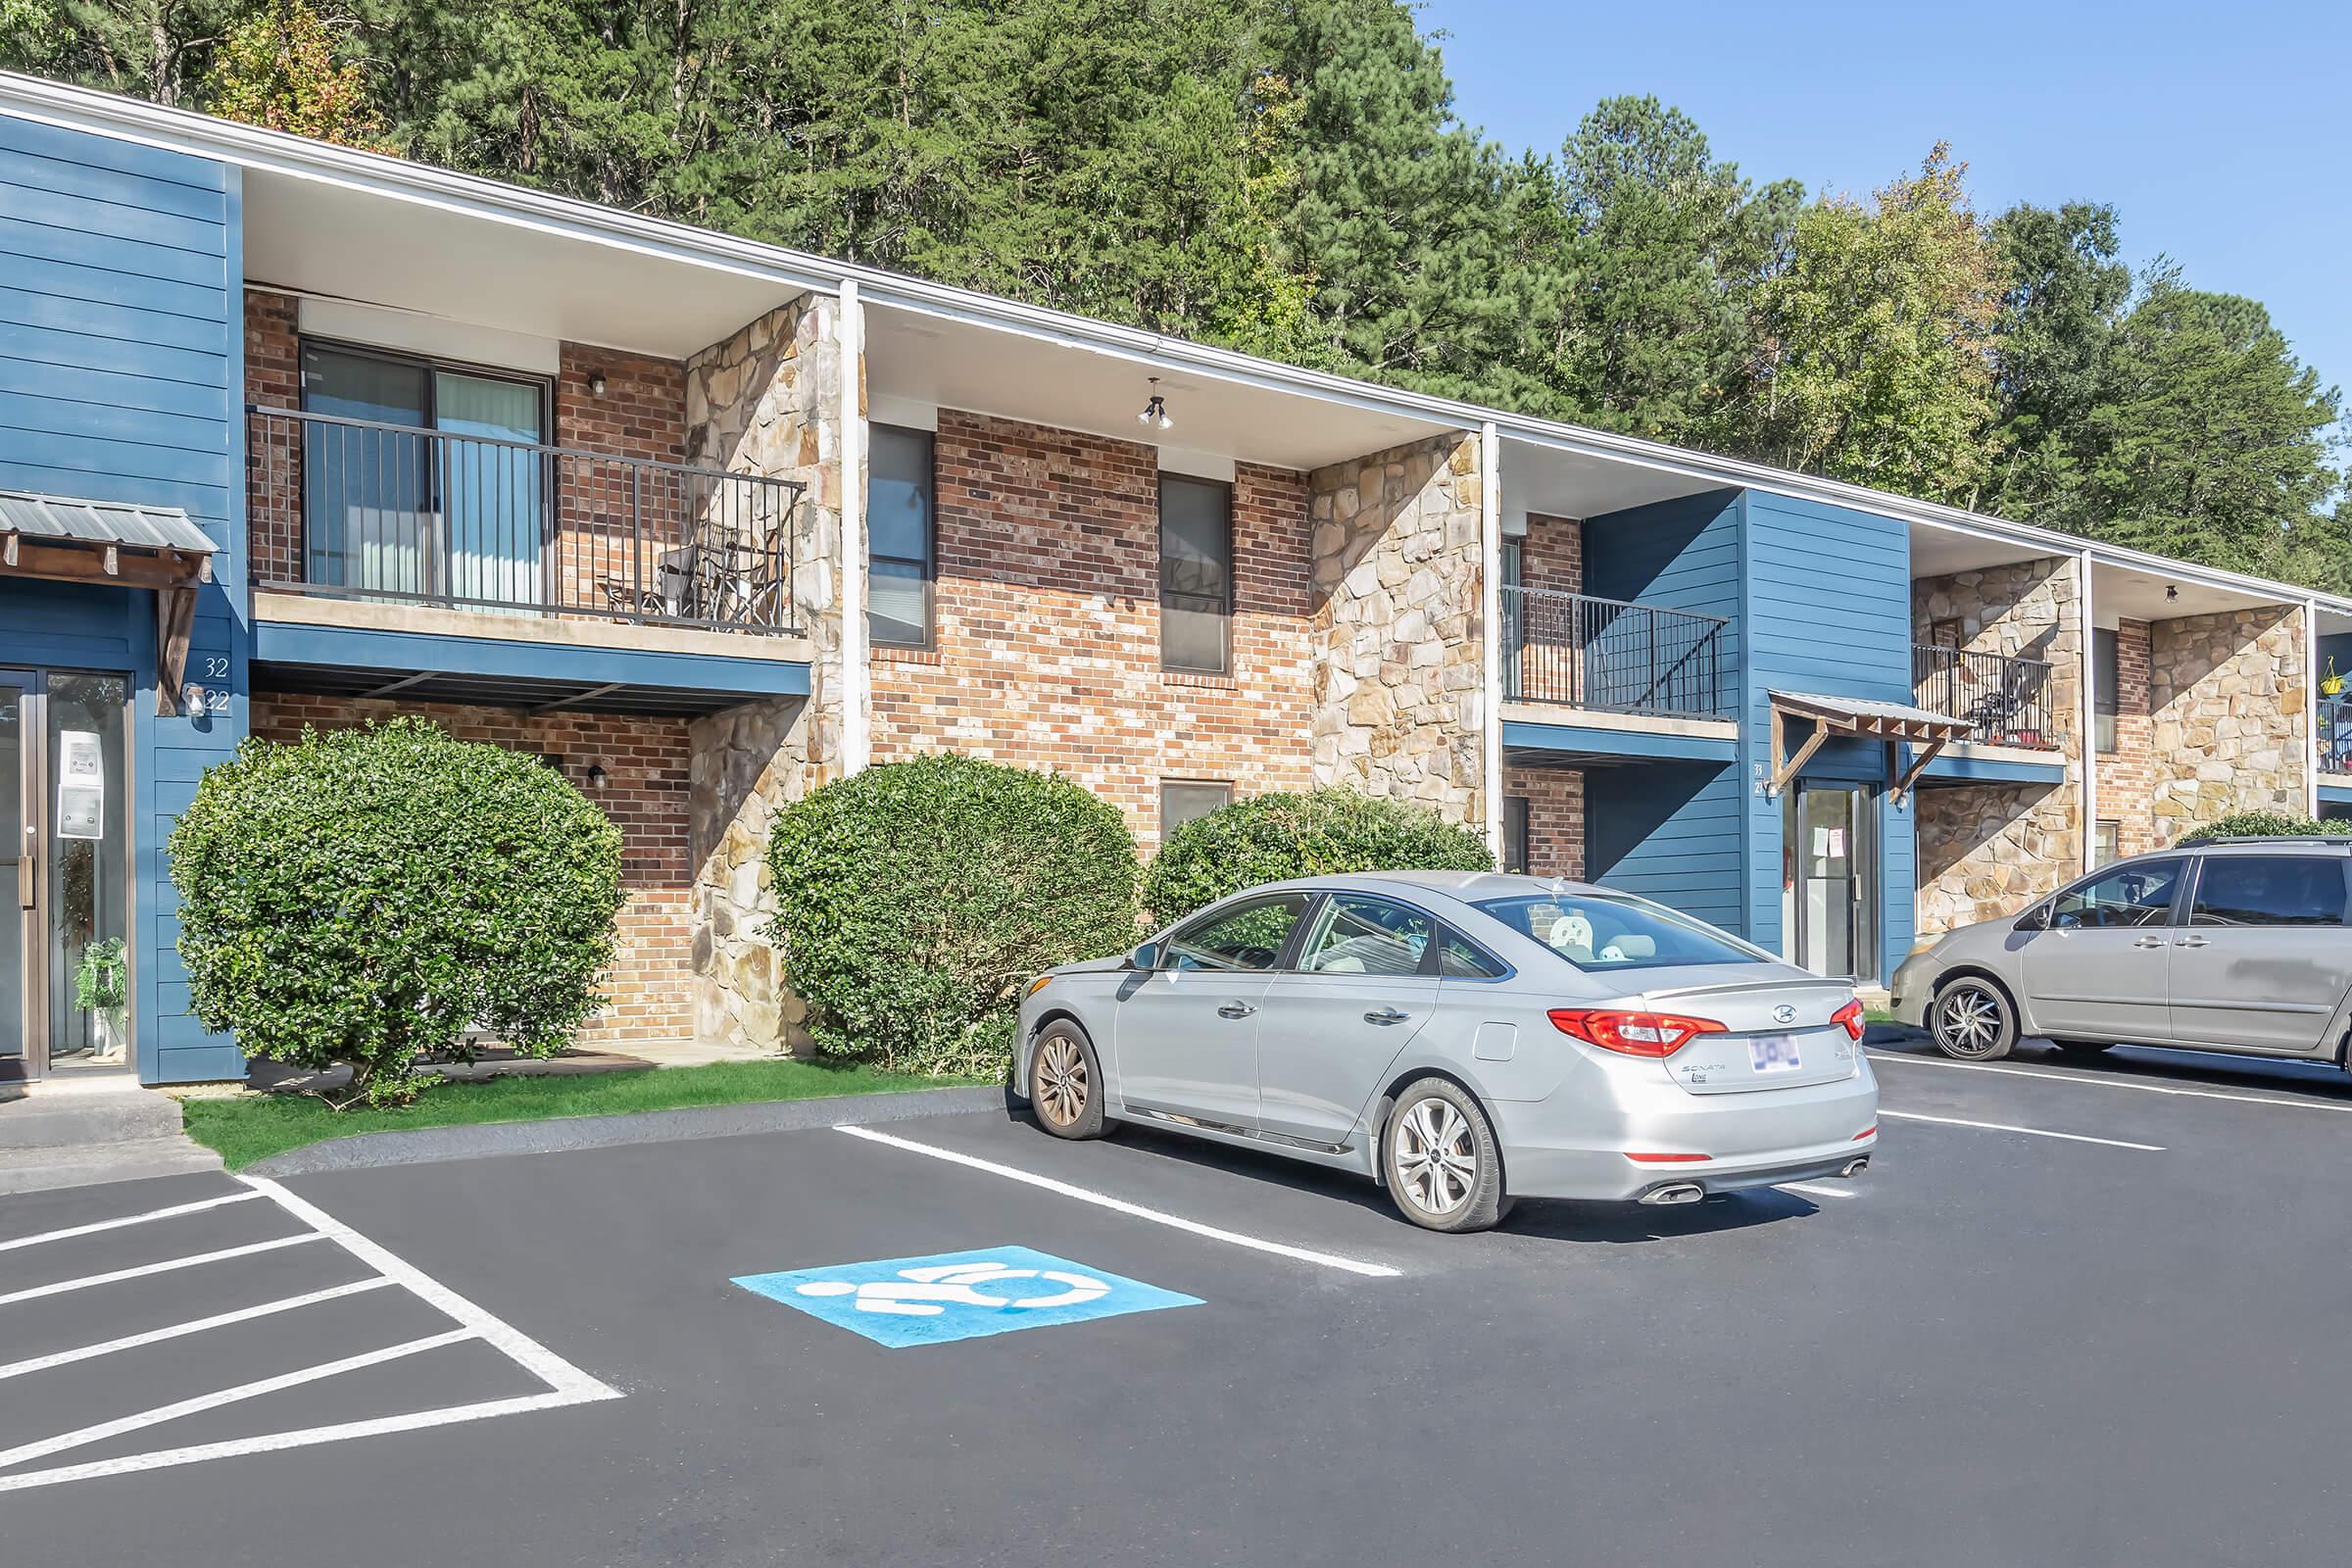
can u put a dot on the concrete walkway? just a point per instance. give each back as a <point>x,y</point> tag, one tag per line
<point>78,1129</point>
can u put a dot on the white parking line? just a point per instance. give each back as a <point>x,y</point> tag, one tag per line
<point>220,1396</point>
<point>1811,1189</point>
<point>1378,1271</point>
<point>2031,1132</point>
<point>243,1314</point>
<point>2110,1083</point>
<point>173,1213</point>
<point>165,1267</point>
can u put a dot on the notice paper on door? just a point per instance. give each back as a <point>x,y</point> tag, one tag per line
<point>80,786</point>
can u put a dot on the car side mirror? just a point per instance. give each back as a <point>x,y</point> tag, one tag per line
<point>2038,918</point>
<point>1145,957</point>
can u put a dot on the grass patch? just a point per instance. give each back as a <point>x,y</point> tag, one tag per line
<point>251,1127</point>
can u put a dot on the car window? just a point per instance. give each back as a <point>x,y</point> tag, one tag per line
<point>1459,959</point>
<point>2129,896</point>
<point>1356,935</point>
<point>1598,931</point>
<point>2269,890</point>
<point>1251,936</point>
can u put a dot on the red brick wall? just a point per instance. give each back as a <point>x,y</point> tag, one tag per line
<point>645,793</point>
<point>1552,556</point>
<point>1555,818</point>
<point>2127,783</point>
<point>641,413</point>
<point>1047,630</point>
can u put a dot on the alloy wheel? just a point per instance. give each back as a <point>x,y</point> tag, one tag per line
<point>1968,1021</point>
<point>1061,1080</point>
<point>1437,1158</point>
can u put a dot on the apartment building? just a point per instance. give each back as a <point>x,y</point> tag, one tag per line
<point>293,435</point>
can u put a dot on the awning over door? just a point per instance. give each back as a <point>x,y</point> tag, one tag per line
<point>62,539</point>
<point>1891,722</point>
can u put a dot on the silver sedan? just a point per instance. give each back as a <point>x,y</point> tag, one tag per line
<point>1464,1039</point>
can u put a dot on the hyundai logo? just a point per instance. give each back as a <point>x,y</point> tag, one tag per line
<point>1784,1013</point>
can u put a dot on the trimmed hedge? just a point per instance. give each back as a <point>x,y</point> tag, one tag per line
<point>1269,838</point>
<point>917,898</point>
<point>372,896</point>
<point>2261,825</point>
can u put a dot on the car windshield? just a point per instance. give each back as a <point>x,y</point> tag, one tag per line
<point>1594,931</point>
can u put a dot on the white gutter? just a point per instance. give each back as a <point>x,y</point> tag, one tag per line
<point>1489,619</point>
<point>2311,708</point>
<point>251,147</point>
<point>856,677</point>
<point>2087,719</point>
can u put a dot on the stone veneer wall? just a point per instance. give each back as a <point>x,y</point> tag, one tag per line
<point>1045,648</point>
<point>1555,818</point>
<point>644,792</point>
<point>1398,683</point>
<point>1989,850</point>
<point>2231,699</point>
<point>765,401</point>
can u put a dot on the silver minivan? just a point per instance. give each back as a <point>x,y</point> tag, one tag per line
<point>2238,944</point>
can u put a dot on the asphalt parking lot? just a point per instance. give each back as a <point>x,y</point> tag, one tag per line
<point>2073,1314</point>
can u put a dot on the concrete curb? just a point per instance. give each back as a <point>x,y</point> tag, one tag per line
<point>488,1140</point>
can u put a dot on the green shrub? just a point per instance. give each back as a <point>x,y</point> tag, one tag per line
<point>1272,837</point>
<point>917,898</point>
<point>2261,825</point>
<point>370,896</point>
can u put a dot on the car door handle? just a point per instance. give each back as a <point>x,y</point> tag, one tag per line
<point>2192,942</point>
<point>2149,941</point>
<point>1236,1009</point>
<point>1386,1015</point>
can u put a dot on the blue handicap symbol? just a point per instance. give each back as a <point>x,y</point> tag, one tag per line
<point>959,1295</point>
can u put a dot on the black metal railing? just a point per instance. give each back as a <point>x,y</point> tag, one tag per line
<point>2332,723</point>
<point>356,509</point>
<point>1613,656</point>
<point>2007,699</point>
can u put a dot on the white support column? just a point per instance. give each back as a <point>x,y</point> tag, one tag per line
<point>1489,614</point>
<point>2311,708</point>
<point>2089,718</point>
<point>857,734</point>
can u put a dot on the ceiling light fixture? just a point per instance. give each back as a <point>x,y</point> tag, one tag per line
<point>1157,409</point>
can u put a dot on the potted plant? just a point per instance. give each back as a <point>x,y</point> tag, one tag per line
<point>102,988</point>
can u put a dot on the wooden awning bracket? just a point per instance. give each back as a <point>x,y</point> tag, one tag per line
<point>1930,732</point>
<point>174,621</point>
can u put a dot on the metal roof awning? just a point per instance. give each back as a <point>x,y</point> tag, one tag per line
<point>1891,722</point>
<point>66,539</point>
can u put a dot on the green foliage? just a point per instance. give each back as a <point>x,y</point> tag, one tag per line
<point>277,67</point>
<point>2259,825</point>
<point>1270,838</point>
<point>101,981</point>
<point>373,896</point>
<point>918,898</point>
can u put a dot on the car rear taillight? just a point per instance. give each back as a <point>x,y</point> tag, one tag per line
<point>1632,1034</point>
<point>1850,1016</point>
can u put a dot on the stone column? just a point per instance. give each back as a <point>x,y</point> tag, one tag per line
<point>1398,628</point>
<point>766,401</point>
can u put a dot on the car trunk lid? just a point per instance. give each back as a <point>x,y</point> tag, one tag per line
<point>1777,1033</point>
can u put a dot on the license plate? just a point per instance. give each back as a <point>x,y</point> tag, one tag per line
<point>1773,1054</point>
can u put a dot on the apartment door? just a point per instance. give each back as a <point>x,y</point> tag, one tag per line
<point>65,851</point>
<point>1830,881</point>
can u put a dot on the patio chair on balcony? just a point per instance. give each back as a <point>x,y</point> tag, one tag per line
<point>2010,713</point>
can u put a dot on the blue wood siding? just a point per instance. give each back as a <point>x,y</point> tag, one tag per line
<point>1827,609</point>
<point>121,374</point>
<point>1668,831</point>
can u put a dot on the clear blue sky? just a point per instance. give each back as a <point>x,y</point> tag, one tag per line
<point>2219,132</point>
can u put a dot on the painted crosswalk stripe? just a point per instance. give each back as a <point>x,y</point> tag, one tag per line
<point>243,1314</point>
<point>2030,1132</point>
<point>165,1267</point>
<point>173,1212</point>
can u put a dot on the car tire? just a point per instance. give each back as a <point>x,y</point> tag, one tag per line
<point>1972,1019</point>
<point>1065,1083</point>
<point>1441,1159</point>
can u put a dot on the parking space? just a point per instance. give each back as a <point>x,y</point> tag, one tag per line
<point>2058,1321</point>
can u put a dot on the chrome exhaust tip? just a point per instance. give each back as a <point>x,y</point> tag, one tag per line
<point>1855,1168</point>
<point>1675,1193</point>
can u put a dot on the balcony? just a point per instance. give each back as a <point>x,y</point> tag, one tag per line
<point>387,514</point>
<point>2333,728</point>
<point>2005,700</point>
<point>1614,657</point>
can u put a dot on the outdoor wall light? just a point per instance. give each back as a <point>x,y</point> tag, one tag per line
<point>596,775</point>
<point>595,383</point>
<point>2171,591</point>
<point>1157,409</point>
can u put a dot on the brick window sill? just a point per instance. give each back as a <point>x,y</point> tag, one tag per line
<point>1185,677</point>
<point>900,654</point>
